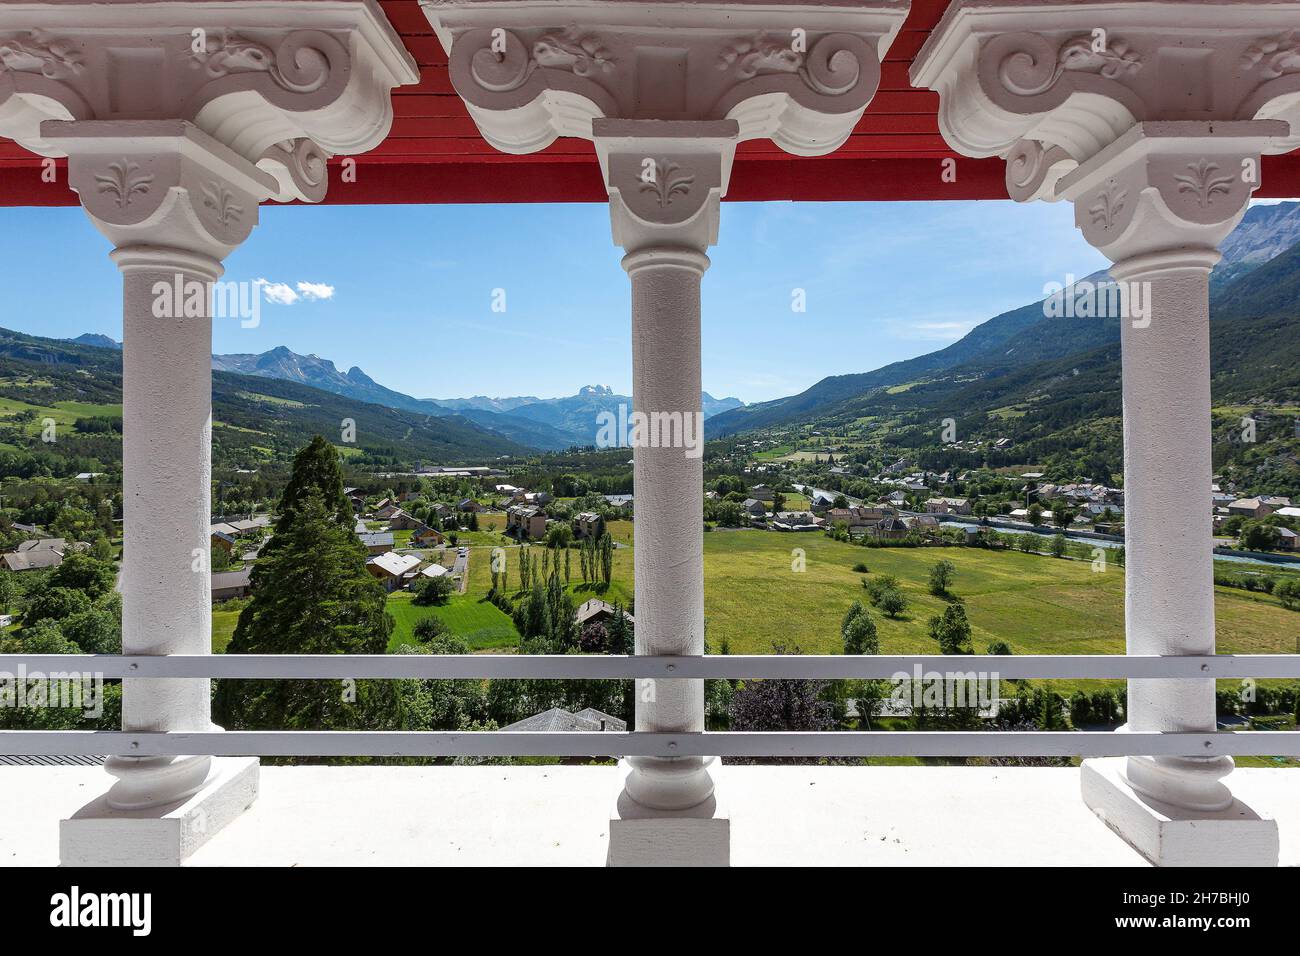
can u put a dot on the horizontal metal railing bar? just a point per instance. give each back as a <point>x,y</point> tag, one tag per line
<point>600,666</point>
<point>496,743</point>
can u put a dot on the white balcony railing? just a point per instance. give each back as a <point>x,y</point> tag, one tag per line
<point>280,743</point>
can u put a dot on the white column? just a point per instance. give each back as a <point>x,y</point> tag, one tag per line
<point>166,478</point>
<point>665,98</point>
<point>174,202</point>
<point>1157,204</point>
<point>1151,120</point>
<point>669,508</point>
<point>664,206</point>
<point>1169,561</point>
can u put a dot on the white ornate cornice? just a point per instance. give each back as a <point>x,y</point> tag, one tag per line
<point>161,183</point>
<point>799,74</point>
<point>284,83</point>
<point>1049,85</point>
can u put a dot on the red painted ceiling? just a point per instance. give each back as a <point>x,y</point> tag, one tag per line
<point>434,153</point>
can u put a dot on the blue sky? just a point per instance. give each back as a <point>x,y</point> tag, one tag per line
<point>406,292</point>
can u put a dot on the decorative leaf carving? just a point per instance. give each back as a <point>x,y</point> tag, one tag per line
<point>295,65</point>
<point>1203,184</point>
<point>1273,55</point>
<point>582,54</point>
<point>38,52</point>
<point>124,180</point>
<point>758,54</point>
<point>218,198</point>
<point>1110,203</point>
<point>1028,69</point>
<point>669,180</point>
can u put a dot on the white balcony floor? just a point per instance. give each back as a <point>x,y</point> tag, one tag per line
<point>501,816</point>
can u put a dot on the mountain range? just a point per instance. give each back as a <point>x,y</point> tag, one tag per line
<point>547,424</point>
<point>256,419</point>
<point>1016,361</point>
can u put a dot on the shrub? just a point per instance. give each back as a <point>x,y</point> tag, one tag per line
<point>433,590</point>
<point>860,568</point>
<point>878,586</point>
<point>430,628</point>
<point>892,602</point>
<point>941,577</point>
<point>860,635</point>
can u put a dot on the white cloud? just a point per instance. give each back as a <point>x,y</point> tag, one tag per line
<point>315,290</point>
<point>278,292</point>
<point>281,293</point>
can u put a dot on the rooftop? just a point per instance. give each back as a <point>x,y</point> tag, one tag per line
<point>557,815</point>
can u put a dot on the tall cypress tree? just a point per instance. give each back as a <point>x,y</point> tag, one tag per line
<point>312,594</point>
<point>316,471</point>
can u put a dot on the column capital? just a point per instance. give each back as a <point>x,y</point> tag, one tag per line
<point>1166,191</point>
<point>665,181</point>
<point>1050,87</point>
<point>161,184</point>
<point>799,75</point>
<point>284,84</point>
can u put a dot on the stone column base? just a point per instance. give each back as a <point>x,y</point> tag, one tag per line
<point>1170,836</point>
<point>639,836</point>
<point>98,835</point>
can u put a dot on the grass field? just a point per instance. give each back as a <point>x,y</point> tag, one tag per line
<point>1037,604</point>
<point>481,625</point>
<point>755,601</point>
<point>63,413</point>
<point>223,628</point>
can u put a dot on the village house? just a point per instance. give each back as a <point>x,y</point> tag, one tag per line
<point>377,542</point>
<point>426,537</point>
<point>890,529</point>
<point>227,585</point>
<point>948,506</point>
<point>38,554</point>
<point>587,524</point>
<point>922,524</point>
<point>820,501</point>
<point>388,511</point>
<point>391,568</point>
<point>434,571</point>
<point>37,560</point>
<point>525,521</point>
<point>762,493</point>
<point>223,541</point>
<point>597,611</point>
<point>754,508</point>
<point>468,504</point>
<point>857,517</point>
<point>1250,508</point>
<point>403,521</point>
<point>796,521</point>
